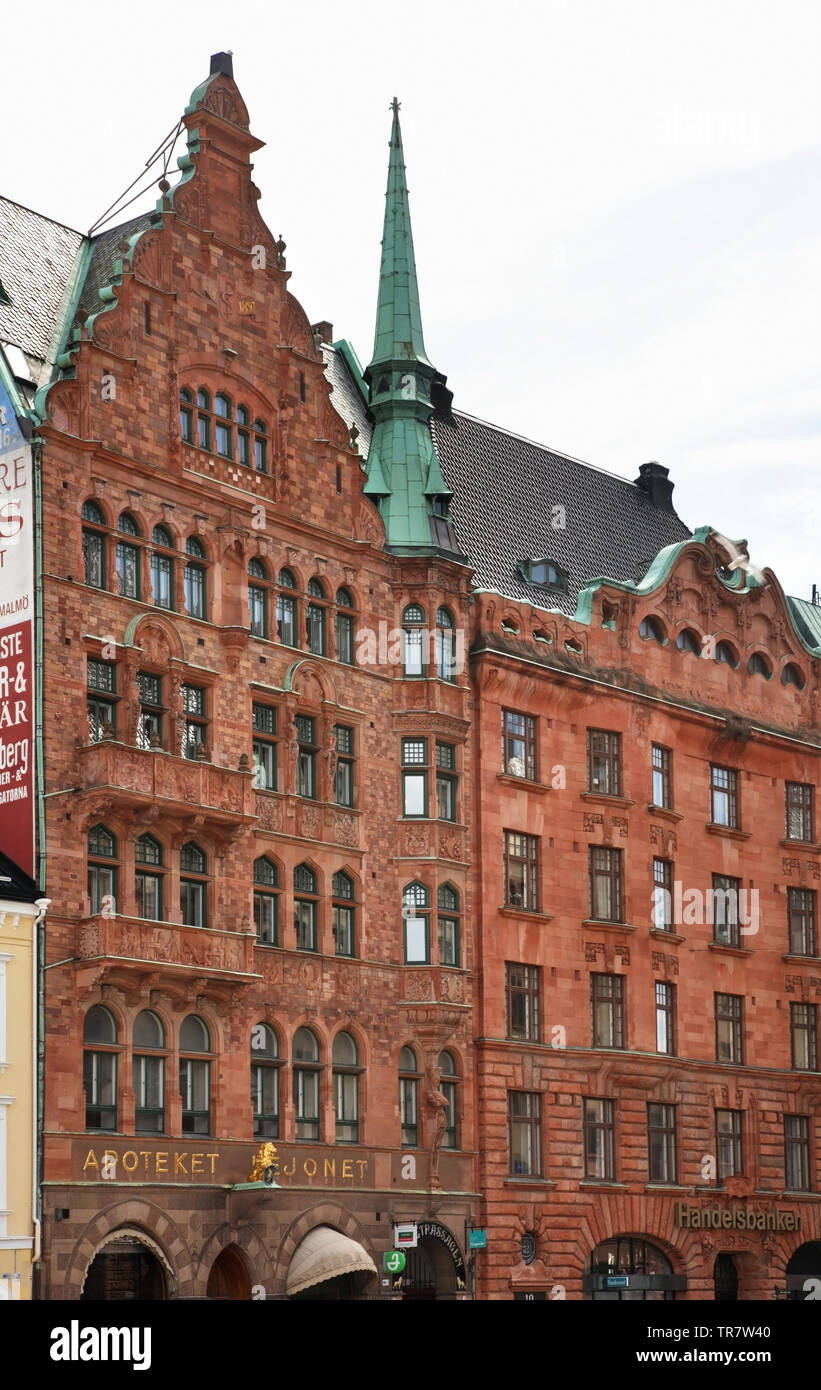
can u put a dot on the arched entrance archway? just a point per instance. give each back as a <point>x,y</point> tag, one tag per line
<point>229,1277</point>
<point>803,1266</point>
<point>725,1279</point>
<point>434,1268</point>
<point>125,1268</point>
<point>630,1268</point>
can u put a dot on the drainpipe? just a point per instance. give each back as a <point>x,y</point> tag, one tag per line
<point>40,875</point>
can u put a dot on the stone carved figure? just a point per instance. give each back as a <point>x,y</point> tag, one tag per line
<point>438,1103</point>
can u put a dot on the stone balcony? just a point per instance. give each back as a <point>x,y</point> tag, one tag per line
<point>136,956</point>
<point>117,775</point>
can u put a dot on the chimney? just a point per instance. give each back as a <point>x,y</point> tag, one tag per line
<point>222,62</point>
<point>323,332</point>
<point>653,479</point>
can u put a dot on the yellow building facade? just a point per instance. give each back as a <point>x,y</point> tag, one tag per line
<point>19,1229</point>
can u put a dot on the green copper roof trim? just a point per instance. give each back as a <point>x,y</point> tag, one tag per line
<point>806,618</point>
<point>347,353</point>
<point>398,336</point>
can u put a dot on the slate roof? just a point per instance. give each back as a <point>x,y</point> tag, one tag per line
<point>104,255</point>
<point>37,257</point>
<point>345,397</point>
<point>504,489</point>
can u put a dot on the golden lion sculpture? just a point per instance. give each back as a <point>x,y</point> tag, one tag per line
<point>265,1158</point>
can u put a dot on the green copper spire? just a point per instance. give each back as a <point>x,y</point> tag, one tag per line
<point>398,316</point>
<point>404,477</point>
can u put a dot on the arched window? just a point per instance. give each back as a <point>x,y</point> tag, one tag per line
<point>266,901</point>
<point>448,1086</point>
<point>100,1068</point>
<point>193,885</point>
<point>149,1073</point>
<point>128,558</point>
<point>306,1073</point>
<point>305,908</point>
<point>286,610</point>
<point>94,546</point>
<point>409,1079</point>
<point>203,419</point>
<point>726,654</point>
<point>258,597</point>
<point>243,447</point>
<point>448,904</point>
<point>651,630</point>
<point>346,1088</point>
<point>759,666</point>
<point>413,640</point>
<point>260,447</point>
<point>343,914</point>
<point>148,879</point>
<point>265,1064</point>
<point>222,428</point>
<point>792,676</point>
<point>688,641</point>
<point>344,627</point>
<point>315,618</point>
<point>416,913</point>
<point>186,415</point>
<point>195,1076</point>
<point>162,569</point>
<point>445,645</point>
<point>102,876</point>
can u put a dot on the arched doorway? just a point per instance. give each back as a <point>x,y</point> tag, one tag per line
<point>125,1269</point>
<point>725,1279</point>
<point>630,1268</point>
<point>804,1267</point>
<point>229,1277</point>
<point>434,1268</point>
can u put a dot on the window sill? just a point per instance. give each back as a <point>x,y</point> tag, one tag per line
<point>607,926</point>
<point>528,913</point>
<point>800,844</point>
<point>602,799</point>
<point>514,1180</point>
<point>606,1183</point>
<point>665,812</point>
<point>798,1195</point>
<point>728,831</point>
<point>670,936</point>
<point>801,960</point>
<point>729,950</point>
<point>510,780</point>
<point>662,1187</point>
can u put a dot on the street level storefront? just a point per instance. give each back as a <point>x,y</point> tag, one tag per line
<point>150,1220</point>
<point>700,1248</point>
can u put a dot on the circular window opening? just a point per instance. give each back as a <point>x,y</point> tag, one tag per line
<point>528,1248</point>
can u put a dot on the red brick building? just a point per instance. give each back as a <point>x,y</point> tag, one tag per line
<point>228,1006</point>
<point>647,1022</point>
<point>402,868</point>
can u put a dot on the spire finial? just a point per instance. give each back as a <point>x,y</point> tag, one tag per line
<point>394,106</point>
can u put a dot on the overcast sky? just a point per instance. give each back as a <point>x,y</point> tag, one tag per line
<point>616,207</point>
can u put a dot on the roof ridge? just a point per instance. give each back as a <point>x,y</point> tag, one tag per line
<point>547,448</point>
<point>24,207</point>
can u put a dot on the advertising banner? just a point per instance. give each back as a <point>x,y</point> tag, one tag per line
<point>17,810</point>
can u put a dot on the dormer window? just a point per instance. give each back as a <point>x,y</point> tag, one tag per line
<point>546,573</point>
<point>227,429</point>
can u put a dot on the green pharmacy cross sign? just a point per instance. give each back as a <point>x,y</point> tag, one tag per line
<point>393,1261</point>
